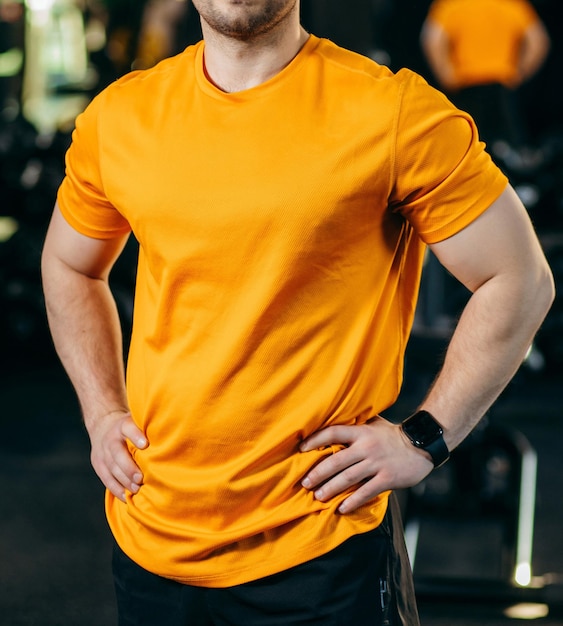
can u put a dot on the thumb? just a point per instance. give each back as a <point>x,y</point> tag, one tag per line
<point>132,432</point>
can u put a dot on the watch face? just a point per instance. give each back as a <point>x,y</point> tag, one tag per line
<point>422,429</point>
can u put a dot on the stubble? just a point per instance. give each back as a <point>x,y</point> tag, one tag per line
<point>244,19</point>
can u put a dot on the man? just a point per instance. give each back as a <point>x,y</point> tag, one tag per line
<point>281,189</point>
<point>481,52</point>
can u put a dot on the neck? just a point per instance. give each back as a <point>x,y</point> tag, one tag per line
<point>235,65</point>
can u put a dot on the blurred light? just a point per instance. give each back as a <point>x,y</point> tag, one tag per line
<point>523,574</point>
<point>527,611</point>
<point>534,359</point>
<point>529,194</point>
<point>11,62</point>
<point>526,513</point>
<point>40,5</point>
<point>8,227</point>
<point>31,174</point>
<point>95,35</point>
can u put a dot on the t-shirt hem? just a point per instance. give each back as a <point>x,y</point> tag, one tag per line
<point>268,567</point>
<point>494,191</point>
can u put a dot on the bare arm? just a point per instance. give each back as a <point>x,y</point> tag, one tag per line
<point>533,51</point>
<point>499,258</point>
<point>86,331</point>
<point>436,47</point>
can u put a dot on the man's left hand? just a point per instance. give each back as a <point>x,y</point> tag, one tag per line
<point>377,457</point>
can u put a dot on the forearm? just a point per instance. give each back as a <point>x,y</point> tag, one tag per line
<point>491,340</point>
<point>86,332</point>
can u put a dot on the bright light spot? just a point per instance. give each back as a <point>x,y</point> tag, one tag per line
<point>8,226</point>
<point>527,611</point>
<point>40,5</point>
<point>523,574</point>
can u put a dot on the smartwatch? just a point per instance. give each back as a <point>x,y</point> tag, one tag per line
<point>426,433</point>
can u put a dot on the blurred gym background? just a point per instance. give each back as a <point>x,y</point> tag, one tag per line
<point>484,531</point>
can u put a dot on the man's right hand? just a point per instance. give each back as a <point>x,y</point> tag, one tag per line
<point>110,455</point>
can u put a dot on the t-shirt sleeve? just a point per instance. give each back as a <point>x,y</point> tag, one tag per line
<point>438,13</point>
<point>443,178</point>
<point>81,196</point>
<point>448,15</point>
<point>528,13</point>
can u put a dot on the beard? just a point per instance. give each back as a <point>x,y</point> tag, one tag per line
<point>244,21</point>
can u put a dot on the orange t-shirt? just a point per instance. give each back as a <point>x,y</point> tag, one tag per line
<point>484,36</point>
<point>280,252</point>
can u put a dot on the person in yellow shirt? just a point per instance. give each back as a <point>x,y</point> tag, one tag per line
<point>481,52</point>
<point>283,191</point>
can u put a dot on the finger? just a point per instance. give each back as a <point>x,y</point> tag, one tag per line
<point>363,495</point>
<point>351,476</point>
<point>327,437</point>
<point>115,478</point>
<point>132,484</point>
<point>111,483</point>
<point>330,467</point>
<point>133,433</point>
<point>118,459</point>
<point>122,464</point>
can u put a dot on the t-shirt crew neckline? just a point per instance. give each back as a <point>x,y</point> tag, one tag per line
<point>272,83</point>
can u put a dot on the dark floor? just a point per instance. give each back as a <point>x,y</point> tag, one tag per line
<point>55,546</point>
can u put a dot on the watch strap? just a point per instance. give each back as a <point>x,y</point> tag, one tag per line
<point>438,450</point>
<point>425,432</point>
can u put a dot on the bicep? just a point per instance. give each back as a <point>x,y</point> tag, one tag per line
<point>69,249</point>
<point>499,243</point>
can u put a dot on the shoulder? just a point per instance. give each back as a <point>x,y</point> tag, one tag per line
<point>359,76</point>
<point>133,102</point>
<point>162,75</point>
<point>143,90</point>
<point>334,63</point>
<point>441,10</point>
<point>525,10</point>
<point>419,97</point>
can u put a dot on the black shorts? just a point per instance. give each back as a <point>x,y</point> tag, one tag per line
<point>366,581</point>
